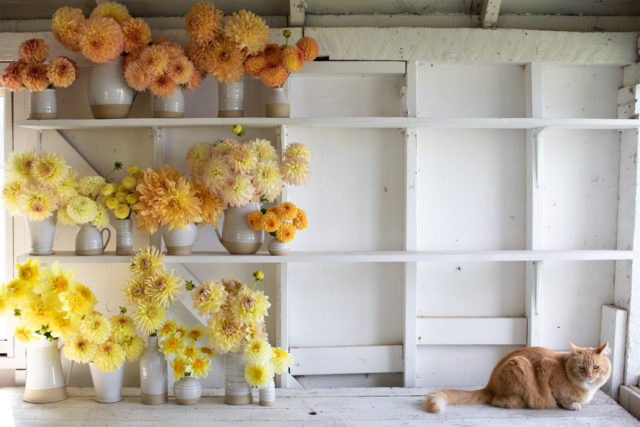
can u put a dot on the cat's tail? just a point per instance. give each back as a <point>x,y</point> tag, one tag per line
<point>438,400</point>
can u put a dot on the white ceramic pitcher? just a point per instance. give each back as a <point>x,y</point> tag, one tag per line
<point>89,240</point>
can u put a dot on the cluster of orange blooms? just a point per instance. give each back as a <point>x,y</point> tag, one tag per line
<point>32,73</point>
<point>280,221</point>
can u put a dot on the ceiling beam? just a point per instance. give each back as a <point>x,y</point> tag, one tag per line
<point>489,13</point>
<point>296,12</point>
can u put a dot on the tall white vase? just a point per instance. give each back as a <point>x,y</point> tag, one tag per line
<point>42,233</point>
<point>124,237</point>
<point>110,97</point>
<point>237,236</point>
<point>108,385</point>
<point>187,391</point>
<point>180,242</point>
<point>45,379</point>
<point>171,106</point>
<point>277,102</point>
<point>231,99</point>
<point>237,391</point>
<point>153,375</point>
<point>43,104</point>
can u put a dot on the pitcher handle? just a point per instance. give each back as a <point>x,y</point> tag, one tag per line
<point>108,237</point>
<point>218,233</point>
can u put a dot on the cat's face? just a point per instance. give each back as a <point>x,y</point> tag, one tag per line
<point>588,365</point>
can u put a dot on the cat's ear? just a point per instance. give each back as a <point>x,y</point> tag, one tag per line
<point>574,348</point>
<point>603,349</point>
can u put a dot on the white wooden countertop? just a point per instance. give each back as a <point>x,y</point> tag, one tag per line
<point>297,407</point>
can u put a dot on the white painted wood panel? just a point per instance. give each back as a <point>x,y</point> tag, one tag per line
<point>346,360</point>
<point>613,330</point>
<point>472,331</point>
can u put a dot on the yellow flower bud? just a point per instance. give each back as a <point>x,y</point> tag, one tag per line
<point>107,189</point>
<point>237,129</point>
<point>132,198</point>
<point>132,169</point>
<point>129,182</point>
<point>111,202</point>
<point>122,188</point>
<point>122,211</point>
<point>121,196</point>
<point>259,275</point>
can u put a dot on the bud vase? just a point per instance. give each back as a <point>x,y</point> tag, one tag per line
<point>89,240</point>
<point>237,390</point>
<point>110,97</point>
<point>180,242</point>
<point>171,106</point>
<point>187,391</point>
<point>42,234</point>
<point>231,99</point>
<point>237,236</point>
<point>124,237</point>
<point>268,394</point>
<point>43,104</point>
<point>277,102</point>
<point>153,375</point>
<point>278,247</point>
<point>108,385</point>
<point>45,379</point>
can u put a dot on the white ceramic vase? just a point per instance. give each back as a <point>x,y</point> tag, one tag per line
<point>45,379</point>
<point>278,247</point>
<point>180,242</point>
<point>124,237</point>
<point>110,97</point>
<point>187,391</point>
<point>171,106</point>
<point>237,236</point>
<point>231,99</point>
<point>237,391</point>
<point>42,234</point>
<point>277,102</point>
<point>89,240</point>
<point>108,385</point>
<point>268,394</point>
<point>43,104</point>
<point>153,375</point>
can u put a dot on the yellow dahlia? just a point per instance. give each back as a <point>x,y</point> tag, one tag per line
<point>274,76</point>
<point>61,72</point>
<point>194,82</point>
<point>101,39</point>
<point>162,85</point>
<point>133,348</point>
<point>18,166</point>
<point>211,205</point>
<point>243,159</point>
<point>286,232</point>
<point>62,326</point>
<point>188,353</point>
<point>11,77</point>
<point>90,185</point>
<point>37,202</point>
<point>82,209</point>
<point>23,334</point>
<point>109,9</point>
<point>295,171</point>
<point>29,272</point>
<point>258,375</point>
<point>195,333</point>
<point>155,60</point>
<point>109,356</point>
<point>5,300</point>
<point>136,34</point>
<point>258,351</point>
<point>253,65</point>
<point>209,297</point>
<point>122,211</point>
<point>207,351</point>
<point>149,317</point>
<point>180,70</point>
<point>132,198</point>
<point>309,48</point>
<point>297,150</point>
<point>238,190</point>
<point>263,149</point>
<point>163,287</point>
<point>37,314</point>
<point>65,25</point>
<point>203,22</point>
<point>12,197</point>
<point>179,368</point>
<point>199,366</point>
<point>67,190</point>
<point>292,59</point>
<point>233,286</point>
<point>55,279</point>
<point>248,31</point>
<point>34,51</point>
<point>172,345</point>
<point>197,157</point>
<point>250,306</point>
<point>101,220</point>
<point>111,202</point>
<point>34,77</point>
<point>49,169</point>
<point>268,180</point>
<point>96,328</point>
<point>78,300</point>
<point>281,360</point>
<point>122,327</point>
<point>224,61</point>
<point>288,211</point>
<point>20,292</point>
<point>224,333</point>
<point>80,349</point>
<point>147,261</point>
<point>168,328</point>
<point>64,218</point>
<point>215,175</point>
<point>271,222</point>
<point>300,221</point>
<point>255,220</point>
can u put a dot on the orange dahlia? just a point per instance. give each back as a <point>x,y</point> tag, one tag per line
<point>154,59</point>
<point>11,77</point>
<point>65,25</point>
<point>62,71</point>
<point>273,54</point>
<point>286,232</point>
<point>274,76</point>
<point>254,64</point>
<point>180,70</point>
<point>198,52</point>
<point>109,9</point>
<point>224,62</point>
<point>193,83</point>
<point>34,77</point>
<point>174,50</point>
<point>211,204</point>
<point>292,58</point>
<point>203,22</point>
<point>255,220</point>
<point>33,51</point>
<point>101,39</point>
<point>136,77</point>
<point>162,85</point>
<point>309,47</point>
<point>247,30</point>
<point>136,34</point>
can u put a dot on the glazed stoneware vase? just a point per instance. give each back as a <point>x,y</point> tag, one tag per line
<point>278,247</point>
<point>180,242</point>
<point>89,240</point>
<point>231,99</point>
<point>153,375</point>
<point>124,237</point>
<point>43,105</point>
<point>45,379</point>
<point>42,234</point>
<point>108,385</point>
<point>237,236</point>
<point>169,107</point>
<point>237,391</point>
<point>110,97</point>
<point>187,391</point>
<point>277,102</point>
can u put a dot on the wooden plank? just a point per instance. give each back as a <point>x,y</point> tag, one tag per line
<point>613,329</point>
<point>472,331</point>
<point>346,360</point>
<point>297,12</point>
<point>489,13</point>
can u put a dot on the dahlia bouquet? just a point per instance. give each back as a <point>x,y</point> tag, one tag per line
<point>166,197</point>
<point>83,207</point>
<point>221,49</point>
<point>108,32</point>
<point>280,221</point>
<point>180,343</point>
<point>31,72</point>
<point>246,172</point>
<point>121,198</point>
<point>37,185</point>
<point>275,63</point>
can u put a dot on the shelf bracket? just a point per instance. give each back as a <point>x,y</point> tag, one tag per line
<point>538,148</point>
<point>537,286</point>
<point>157,161</point>
<point>38,141</point>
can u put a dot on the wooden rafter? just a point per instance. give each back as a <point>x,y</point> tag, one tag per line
<point>489,13</point>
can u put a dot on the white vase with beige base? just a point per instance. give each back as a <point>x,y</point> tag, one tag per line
<point>110,97</point>
<point>43,105</point>
<point>107,385</point>
<point>231,99</point>
<point>178,241</point>
<point>237,391</point>
<point>45,381</point>
<point>187,391</point>
<point>277,102</point>
<point>153,374</point>
<point>169,107</point>
<point>237,236</point>
<point>42,234</point>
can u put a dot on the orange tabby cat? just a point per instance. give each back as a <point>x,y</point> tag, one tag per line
<point>536,378</point>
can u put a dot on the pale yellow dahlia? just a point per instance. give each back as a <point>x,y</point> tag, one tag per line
<point>258,351</point>
<point>34,77</point>
<point>18,166</point>
<point>61,72</point>
<point>200,365</point>
<point>149,317</point>
<point>78,300</point>
<point>224,147</point>
<point>268,180</point>
<point>37,202</point>
<point>163,287</point>
<point>11,77</point>
<point>309,48</point>
<point>238,191</point>
<point>65,25</point>
<point>154,60</point>
<point>82,209</point>
<point>21,292</point>
<point>96,328</point>
<point>250,306</point>
<point>147,261</point>
<point>37,313</point>
<point>90,185</point>
<point>263,149</point>
<point>162,85</point>
<point>62,326</point>
<point>215,175</point>
<point>258,375</point>
<point>297,150</point>
<point>255,220</point>
<point>197,157</point>
<point>247,30</point>
<point>29,272</point>
<point>23,334</point>
<point>180,70</point>
<point>195,333</point>
<point>68,189</point>
<point>109,9</point>
<point>122,327</point>
<point>225,333</point>
<point>80,349</point>
<point>12,197</point>
<point>281,360</point>
<point>179,368</point>
<point>34,51</point>
<point>49,169</point>
<point>203,22</point>
<point>295,171</point>
<point>211,205</point>
<point>209,297</point>
<point>109,356</point>
<point>233,286</point>
<point>169,327</point>
<point>136,34</point>
<point>64,218</point>
<point>133,348</point>
<point>224,61</point>
<point>172,345</point>
<point>55,279</point>
<point>292,59</point>
<point>135,289</point>
<point>243,159</point>
<point>101,220</point>
<point>101,39</point>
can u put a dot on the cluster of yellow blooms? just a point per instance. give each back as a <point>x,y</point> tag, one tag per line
<point>180,342</point>
<point>280,221</point>
<point>122,198</point>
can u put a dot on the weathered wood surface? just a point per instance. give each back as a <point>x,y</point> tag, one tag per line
<point>325,407</point>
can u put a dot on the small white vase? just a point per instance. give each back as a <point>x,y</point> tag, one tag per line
<point>43,104</point>
<point>89,240</point>
<point>124,237</point>
<point>110,97</point>
<point>237,236</point>
<point>187,391</point>
<point>45,379</point>
<point>42,234</point>
<point>231,99</point>
<point>277,102</point>
<point>237,391</point>
<point>278,247</point>
<point>180,242</point>
<point>153,375</point>
<point>268,394</point>
<point>108,385</point>
<point>171,106</point>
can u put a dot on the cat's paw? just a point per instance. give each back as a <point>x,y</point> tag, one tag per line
<point>574,406</point>
<point>434,403</point>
